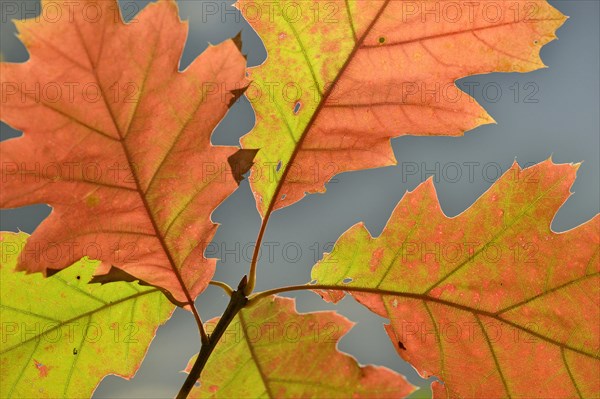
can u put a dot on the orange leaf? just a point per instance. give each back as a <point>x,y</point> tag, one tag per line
<point>492,301</point>
<point>271,351</point>
<point>344,77</point>
<point>117,141</point>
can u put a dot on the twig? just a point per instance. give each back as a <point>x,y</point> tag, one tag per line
<point>236,303</point>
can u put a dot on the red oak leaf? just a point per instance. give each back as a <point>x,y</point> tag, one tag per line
<point>117,141</point>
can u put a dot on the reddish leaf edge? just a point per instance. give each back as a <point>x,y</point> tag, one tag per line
<point>438,386</point>
<point>293,303</point>
<point>139,364</point>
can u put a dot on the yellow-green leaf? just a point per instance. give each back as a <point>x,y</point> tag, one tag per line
<point>60,335</point>
<point>271,351</point>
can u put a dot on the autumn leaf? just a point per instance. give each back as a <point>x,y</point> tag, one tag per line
<point>492,301</point>
<point>117,141</point>
<point>271,351</point>
<point>60,335</point>
<point>344,77</point>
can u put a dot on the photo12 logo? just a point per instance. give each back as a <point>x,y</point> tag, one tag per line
<point>75,332</point>
<point>67,11</point>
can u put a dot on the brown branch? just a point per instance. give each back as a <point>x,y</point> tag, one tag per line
<point>236,303</point>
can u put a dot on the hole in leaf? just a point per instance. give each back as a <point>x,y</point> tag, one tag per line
<point>313,282</point>
<point>401,345</point>
<point>278,168</point>
<point>78,277</point>
<point>347,280</point>
<point>297,107</point>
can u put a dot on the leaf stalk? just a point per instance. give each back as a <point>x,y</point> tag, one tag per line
<point>226,287</point>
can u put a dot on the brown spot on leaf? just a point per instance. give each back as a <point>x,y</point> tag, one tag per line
<point>241,162</point>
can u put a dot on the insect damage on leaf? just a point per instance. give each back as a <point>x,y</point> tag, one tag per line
<point>371,71</point>
<point>492,302</point>
<point>130,174</point>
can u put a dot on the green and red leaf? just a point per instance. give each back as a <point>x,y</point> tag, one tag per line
<point>271,351</point>
<point>492,302</point>
<point>343,77</point>
<point>117,141</point>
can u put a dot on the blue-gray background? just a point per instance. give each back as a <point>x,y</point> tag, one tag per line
<point>555,113</point>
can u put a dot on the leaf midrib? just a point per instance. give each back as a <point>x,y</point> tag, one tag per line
<point>358,45</point>
<point>80,316</point>
<point>122,136</point>
<point>329,90</point>
<point>254,357</point>
<point>423,297</point>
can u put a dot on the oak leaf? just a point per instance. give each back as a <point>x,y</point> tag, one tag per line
<point>61,336</point>
<point>117,141</point>
<point>271,351</point>
<point>492,302</point>
<point>343,77</point>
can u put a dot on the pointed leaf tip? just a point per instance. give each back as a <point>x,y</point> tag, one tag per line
<point>237,93</point>
<point>237,40</point>
<point>241,162</point>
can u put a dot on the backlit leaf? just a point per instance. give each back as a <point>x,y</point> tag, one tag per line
<point>271,351</point>
<point>492,302</point>
<point>343,77</point>
<point>117,141</point>
<point>60,335</point>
